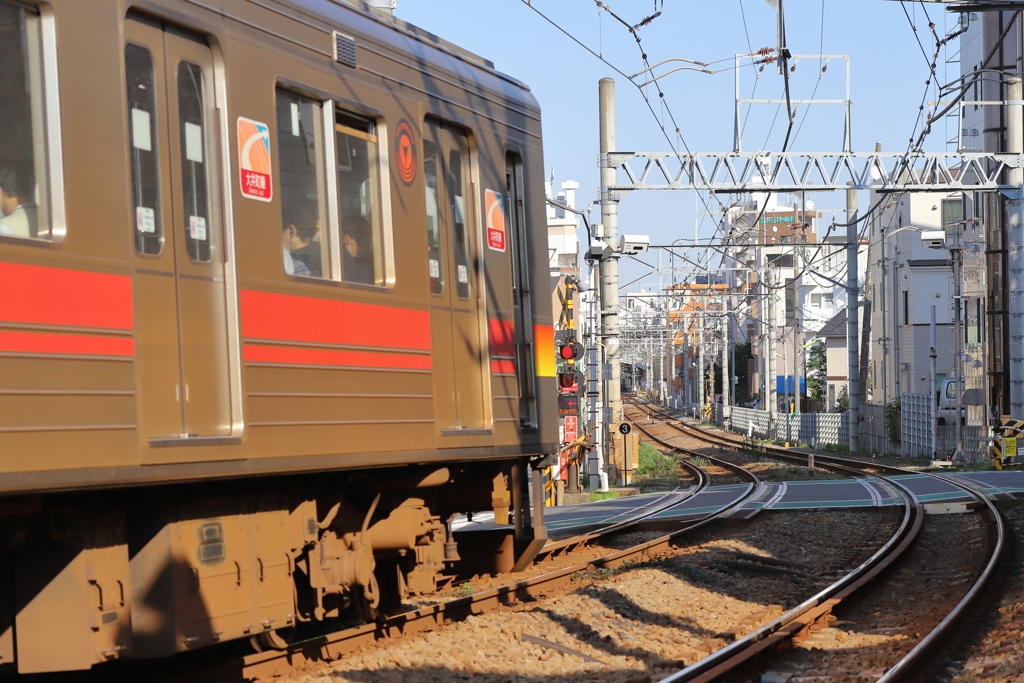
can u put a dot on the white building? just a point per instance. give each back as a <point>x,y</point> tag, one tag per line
<point>908,280</point>
<point>563,243</point>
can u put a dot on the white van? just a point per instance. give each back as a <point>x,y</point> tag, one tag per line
<point>947,401</point>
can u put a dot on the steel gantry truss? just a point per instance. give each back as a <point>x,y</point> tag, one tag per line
<point>807,171</point>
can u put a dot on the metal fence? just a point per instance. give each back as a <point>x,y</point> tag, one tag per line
<point>821,429</point>
<point>874,435</point>
<point>810,428</point>
<point>975,442</point>
<point>916,425</point>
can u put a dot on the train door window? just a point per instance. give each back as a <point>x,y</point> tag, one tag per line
<point>435,263</point>
<point>143,149</point>
<point>515,219</point>
<point>358,188</point>
<point>196,212</point>
<point>306,247</point>
<point>28,108</point>
<point>458,216</point>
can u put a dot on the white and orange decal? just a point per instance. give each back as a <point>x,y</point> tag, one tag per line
<point>495,220</point>
<point>254,159</point>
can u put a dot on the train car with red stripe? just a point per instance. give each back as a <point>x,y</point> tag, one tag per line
<point>267,321</point>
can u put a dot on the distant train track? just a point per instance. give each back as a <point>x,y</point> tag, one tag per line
<point>798,620</point>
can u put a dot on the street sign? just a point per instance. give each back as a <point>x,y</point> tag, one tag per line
<point>624,428</point>
<point>572,428</point>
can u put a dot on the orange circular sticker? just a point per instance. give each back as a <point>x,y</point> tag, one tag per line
<point>405,152</point>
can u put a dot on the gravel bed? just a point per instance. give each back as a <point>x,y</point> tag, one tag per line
<point>995,652</point>
<point>639,621</point>
<point>871,631</point>
<point>767,470</point>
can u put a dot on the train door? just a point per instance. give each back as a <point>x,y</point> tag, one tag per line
<point>515,219</point>
<point>453,260</point>
<point>178,240</point>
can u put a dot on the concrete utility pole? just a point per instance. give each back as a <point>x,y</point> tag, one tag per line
<point>726,374</point>
<point>958,373</point>
<point>770,385</point>
<point>853,367</point>
<point>610,266</point>
<point>1015,242</point>
<point>700,358</point>
<point>931,392</point>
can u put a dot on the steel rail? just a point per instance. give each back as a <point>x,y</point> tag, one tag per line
<point>666,502</point>
<point>331,646</point>
<point>814,608</point>
<point>911,661</point>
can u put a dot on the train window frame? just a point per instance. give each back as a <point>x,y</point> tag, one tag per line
<point>330,105</point>
<point>381,227</point>
<point>46,121</point>
<point>321,165</point>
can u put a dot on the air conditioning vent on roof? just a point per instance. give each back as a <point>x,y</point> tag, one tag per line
<point>344,49</point>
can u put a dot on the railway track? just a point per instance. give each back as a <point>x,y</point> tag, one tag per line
<point>663,512</point>
<point>797,622</point>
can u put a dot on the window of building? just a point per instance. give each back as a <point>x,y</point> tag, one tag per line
<point>952,215</point>
<point>906,307</point>
<point>780,260</point>
<point>816,300</point>
<point>26,208</point>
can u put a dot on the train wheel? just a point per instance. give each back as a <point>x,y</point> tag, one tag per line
<point>381,598</point>
<point>273,640</point>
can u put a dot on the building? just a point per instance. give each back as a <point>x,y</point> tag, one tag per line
<point>790,279</point>
<point>907,282</point>
<point>837,362</point>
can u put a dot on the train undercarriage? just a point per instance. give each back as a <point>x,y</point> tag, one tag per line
<point>153,571</point>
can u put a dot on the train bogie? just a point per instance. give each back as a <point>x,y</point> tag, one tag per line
<point>268,320</point>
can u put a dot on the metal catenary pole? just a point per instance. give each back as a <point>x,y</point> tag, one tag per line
<point>1015,258</point>
<point>852,327</point>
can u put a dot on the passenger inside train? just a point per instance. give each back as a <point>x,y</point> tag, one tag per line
<point>19,212</point>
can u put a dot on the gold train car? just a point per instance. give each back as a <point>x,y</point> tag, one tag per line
<point>267,320</point>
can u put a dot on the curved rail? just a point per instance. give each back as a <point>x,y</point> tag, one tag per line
<point>912,660</point>
<point>662,504</point>
<point>433,616</point>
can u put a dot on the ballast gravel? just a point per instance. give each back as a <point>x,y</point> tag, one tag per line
<point>638,622</point>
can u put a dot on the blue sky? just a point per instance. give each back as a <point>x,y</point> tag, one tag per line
<point>888,74</point>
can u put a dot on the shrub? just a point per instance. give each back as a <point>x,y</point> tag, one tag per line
<point>893,413</point>
<point>654,462</point>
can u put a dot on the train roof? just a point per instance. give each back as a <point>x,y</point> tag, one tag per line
<point>319,9</point>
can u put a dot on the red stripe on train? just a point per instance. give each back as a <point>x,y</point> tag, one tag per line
<point>284,317</point>
<point>505,367</point>
<point>502,336</point>
<point>358,359</point>
<point>76,344</point>
<point>60,296</point>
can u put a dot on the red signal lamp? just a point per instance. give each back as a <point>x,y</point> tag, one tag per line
<point>568,352</point>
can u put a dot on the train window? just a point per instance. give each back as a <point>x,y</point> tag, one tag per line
<point>143,149</point>
<point>23,150</point>
<point>303,208</point>
<point>458,218</point>
<point>196,212</point>
<point>434,261</point>
<point>358,168</point>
